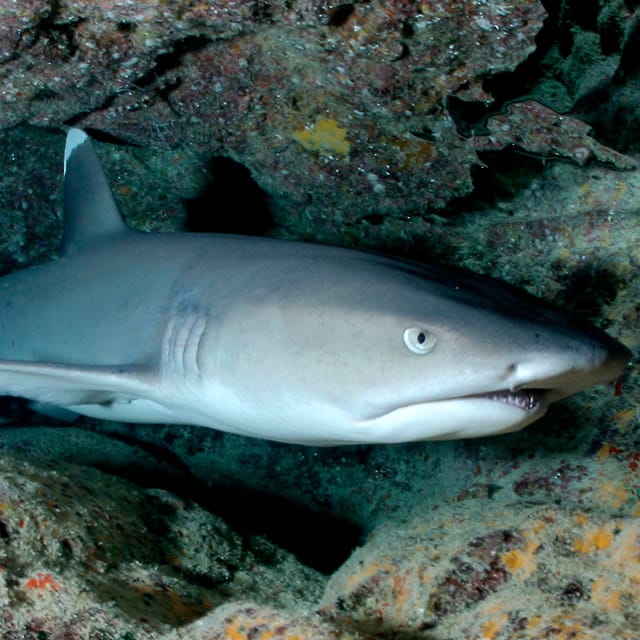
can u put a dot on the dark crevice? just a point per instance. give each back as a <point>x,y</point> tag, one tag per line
<point>262,11</point>
<point>611,107</point>
<point>405,52</point>
<point>629,67</point>
<point>126,27</point>
<point>508,86</point>
<point>81,115</point>
<point>108,138</point>
<point>499,178</point>
<point>557,34</point>
<point>318,539</point>
<point>408,30</point>
<point>587,291</point>
<point>60,36</point>
<point>15,409</point>
<point>471,117</point>
<point>611,37</point>
<point>337,15</point>
<point>425,133</point>
<point>581,13</point>
<point>230,202</point>
<point>166,62</point>
<point>315,536</point>
<point>150,80</point>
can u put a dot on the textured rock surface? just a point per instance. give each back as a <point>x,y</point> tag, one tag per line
<point>468,572</point>
<point>340,110</point>
<point>550,552</point>
<point>85,555</point>
<point>357,118</point>
<point>328,104</point>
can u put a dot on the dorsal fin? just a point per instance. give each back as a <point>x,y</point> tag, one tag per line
<point>90,211</point>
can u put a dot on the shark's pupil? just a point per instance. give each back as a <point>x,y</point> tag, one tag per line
<point>421,338</point>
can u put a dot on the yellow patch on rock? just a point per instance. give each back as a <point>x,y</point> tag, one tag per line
<point>325,137</point>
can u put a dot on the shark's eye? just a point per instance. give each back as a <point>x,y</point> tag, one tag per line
<point>419,340</point>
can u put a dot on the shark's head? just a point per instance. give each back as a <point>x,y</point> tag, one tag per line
<point>360,348</point>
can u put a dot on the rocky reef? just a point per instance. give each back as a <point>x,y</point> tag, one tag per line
<point>329,104</point>
<point>500,137</point>
<point>87,555</point>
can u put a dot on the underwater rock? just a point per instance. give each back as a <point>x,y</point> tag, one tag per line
<point>510,571</point>
<point>545,134</point>
<point>328,105</point>
<point>85,554</point>
<point>339,110</point>
<point>248,621</point>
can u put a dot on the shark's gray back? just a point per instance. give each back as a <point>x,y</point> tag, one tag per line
<point>110,304</point>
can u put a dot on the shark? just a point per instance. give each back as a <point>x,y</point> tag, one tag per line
<point>279,339</point>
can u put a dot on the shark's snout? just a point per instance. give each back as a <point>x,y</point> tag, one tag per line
<point>565,372</point>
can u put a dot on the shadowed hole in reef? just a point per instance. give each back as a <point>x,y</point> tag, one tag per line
<point>230,202</point>
<point>319,540</point>
<point>588,290</point>
<point>502,175</point>
<point>316,538</point>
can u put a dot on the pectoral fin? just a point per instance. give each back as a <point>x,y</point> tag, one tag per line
<point>65,385</point>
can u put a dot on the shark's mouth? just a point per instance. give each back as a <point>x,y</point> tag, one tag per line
<point>525,399</point>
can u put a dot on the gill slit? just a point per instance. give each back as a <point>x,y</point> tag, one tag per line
<point>182,342</point>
